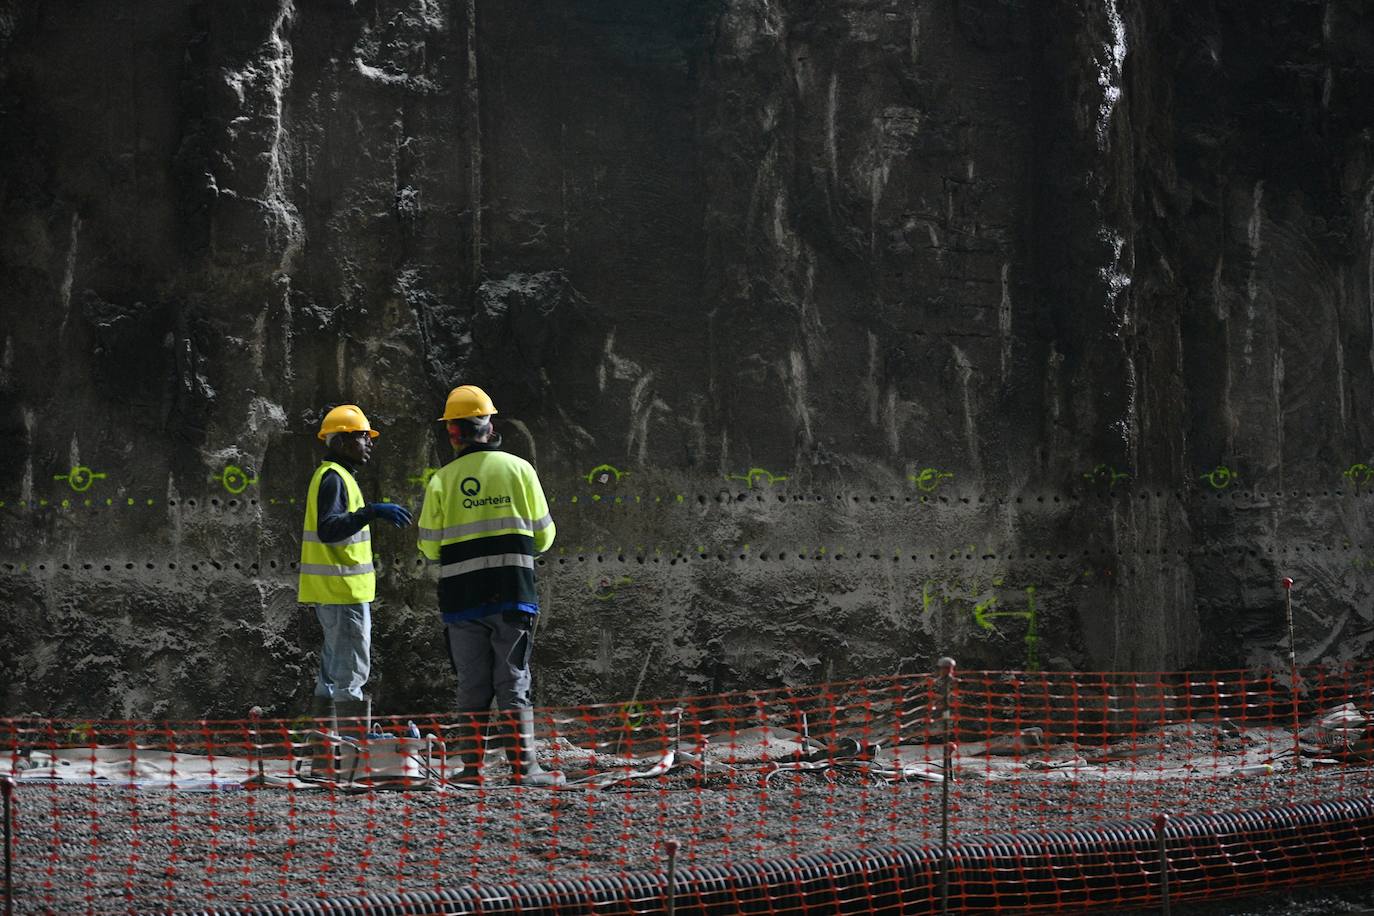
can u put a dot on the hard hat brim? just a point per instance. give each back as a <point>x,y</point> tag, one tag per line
<point>447,419</point>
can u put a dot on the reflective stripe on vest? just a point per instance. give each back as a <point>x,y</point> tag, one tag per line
<point>508,523</point>
<point>491,562</point>
<point>339,572</point>
<point>320,569</point>
<point>314,537</point>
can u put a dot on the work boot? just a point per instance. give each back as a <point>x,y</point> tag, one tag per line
<point>469,743</point>
<point>321,748</point>
<point>354,718</point>
<point>520,752</point>
<point>354,721</point>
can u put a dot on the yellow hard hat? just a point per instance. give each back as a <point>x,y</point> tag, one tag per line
<point>467,401</point>
<point>346,418</point>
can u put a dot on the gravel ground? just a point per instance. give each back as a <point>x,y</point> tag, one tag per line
<point>100,848</point>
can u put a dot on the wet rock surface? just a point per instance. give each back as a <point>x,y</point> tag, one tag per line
<point>843,335</point>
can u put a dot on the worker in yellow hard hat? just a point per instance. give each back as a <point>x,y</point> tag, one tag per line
<point>336,573</point>
<point>484,520</point>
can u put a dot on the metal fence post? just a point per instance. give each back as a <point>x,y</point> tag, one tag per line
<point>1161,822</point>
<point>672,846</point>
<point>946,668</point>
<point>7,789</point>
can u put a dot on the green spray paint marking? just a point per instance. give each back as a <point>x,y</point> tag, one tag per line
<point>634,714</point>
<point>757,474</point>
<point>1220,477</point>
<point>604,587</point>
<point>1105,473</point>
<point>300,727</point>
<point>423,477</point>
<point>983,615</point>
<point>605,473</point>
<point>985,610</point>
<point>928,479</point>
<point>1358,474</point>
<point>80,478</point>
<point>81,734</point>
<point>235,479</point>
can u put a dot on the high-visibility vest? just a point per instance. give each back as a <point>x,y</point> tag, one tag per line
<point>341,572</point>
<point>484,520</point>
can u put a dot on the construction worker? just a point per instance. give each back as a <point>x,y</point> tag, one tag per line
<point>336,573</point>
<point>484,520</point>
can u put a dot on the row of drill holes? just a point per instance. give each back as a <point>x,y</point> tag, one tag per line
<point>1158,494</point>
<point>915,558</point>
<point>739,498</point>
<point>195,567</point>
<point>764,557</point>
<point>1234,494</point>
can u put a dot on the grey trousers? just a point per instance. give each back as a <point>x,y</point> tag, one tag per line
<point>491,657</point>
<point>346,653</point>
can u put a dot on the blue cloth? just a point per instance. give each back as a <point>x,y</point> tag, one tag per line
<point>333,520</point>
<point>486,610</point>
<point>346,653</point>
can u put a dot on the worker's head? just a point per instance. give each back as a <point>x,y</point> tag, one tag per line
<point>347,434</point>
<point>467,412</point>
<point>355,448</point>
<point>470,431</point>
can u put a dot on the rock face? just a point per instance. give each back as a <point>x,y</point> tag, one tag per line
<point>844,335</point>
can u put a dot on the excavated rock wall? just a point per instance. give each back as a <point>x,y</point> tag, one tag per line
<point>844,335</point>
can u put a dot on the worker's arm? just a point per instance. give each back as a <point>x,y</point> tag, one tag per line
<point>334,523</point>
<point>432,520</point>
<point>544,529</point>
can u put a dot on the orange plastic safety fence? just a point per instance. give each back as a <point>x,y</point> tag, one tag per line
<point>1045,770</point>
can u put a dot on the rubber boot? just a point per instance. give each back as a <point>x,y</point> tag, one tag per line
<point>520,751</point>
<point>469,742</point>
<point>322,762</point>
<point>354,719</point>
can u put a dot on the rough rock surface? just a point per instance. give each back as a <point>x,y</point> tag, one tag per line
<point>844,335</point>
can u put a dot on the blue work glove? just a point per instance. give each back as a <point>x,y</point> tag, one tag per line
<point>397,515</point>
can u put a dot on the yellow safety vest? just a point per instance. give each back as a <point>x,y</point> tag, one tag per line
<point>484,520</point>
<point>342,572</point>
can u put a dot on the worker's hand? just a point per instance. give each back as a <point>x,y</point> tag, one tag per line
<point>397,515</point>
